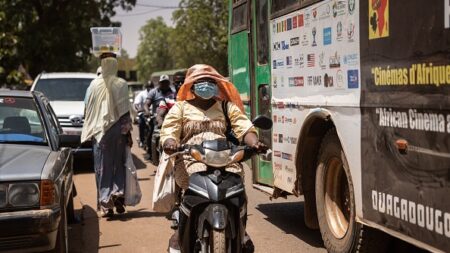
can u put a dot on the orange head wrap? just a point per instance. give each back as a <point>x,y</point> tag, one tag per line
<point>227,91</point>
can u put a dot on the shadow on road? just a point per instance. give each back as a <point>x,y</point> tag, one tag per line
<point>139,163</point>
<point>136,214</point>
<point>84,236</point>
<point>84,165</point>
<point>289,218</point>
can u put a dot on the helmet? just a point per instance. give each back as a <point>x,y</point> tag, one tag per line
<point>163,78</point>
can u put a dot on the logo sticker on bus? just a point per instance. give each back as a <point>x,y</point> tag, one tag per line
<point>335,61</point>
<point>328,81</point>
<point>353,79</point>
<point>322,63</point>
<point>300,21</point>
<point>339,31</point>
<point>327,36</point>
<point>351,6</point>
<point>339,8</point>
<point>311,60</point>
<point>351,31</point>
<point>295,41</point>
<point>314,33</point>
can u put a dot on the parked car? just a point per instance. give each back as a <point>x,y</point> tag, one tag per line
<point>36,175</point>
<point>66,93</point>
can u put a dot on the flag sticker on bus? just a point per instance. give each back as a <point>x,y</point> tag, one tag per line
<point>378,19</point>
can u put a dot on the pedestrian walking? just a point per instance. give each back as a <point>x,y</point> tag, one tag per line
<point>108,124</point>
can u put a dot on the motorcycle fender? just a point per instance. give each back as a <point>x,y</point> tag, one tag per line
<point>216,215</point>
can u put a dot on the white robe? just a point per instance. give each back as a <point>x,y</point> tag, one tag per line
<point>107,102</point>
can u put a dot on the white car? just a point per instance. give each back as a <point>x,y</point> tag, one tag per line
<point>66,92</point>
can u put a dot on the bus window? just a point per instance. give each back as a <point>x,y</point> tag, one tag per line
<point>262,31</point>
<point>240,16</point>
<point>279,7</point>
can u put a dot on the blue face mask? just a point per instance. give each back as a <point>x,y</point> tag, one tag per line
<point>206,90</point>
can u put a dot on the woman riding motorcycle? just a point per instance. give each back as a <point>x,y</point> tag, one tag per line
<point>198,115</point>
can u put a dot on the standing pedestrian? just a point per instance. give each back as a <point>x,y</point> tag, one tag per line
<point>139,102</point>
<point>108,124</point>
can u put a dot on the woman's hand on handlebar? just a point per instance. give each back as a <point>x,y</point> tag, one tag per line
<point>251,140</point>
<point>171,146</point>
<point>259,147</point>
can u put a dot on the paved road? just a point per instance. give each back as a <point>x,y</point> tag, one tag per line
<point>275,226</point>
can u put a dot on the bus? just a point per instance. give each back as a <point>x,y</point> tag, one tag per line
<point>358,91</point>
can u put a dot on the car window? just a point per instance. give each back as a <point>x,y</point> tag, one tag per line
<point>20,121</point>
<point>53,118</point>
<point>63,89</point>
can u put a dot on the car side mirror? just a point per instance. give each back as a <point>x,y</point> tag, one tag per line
<point>262,122</point>
<point>69,141</point>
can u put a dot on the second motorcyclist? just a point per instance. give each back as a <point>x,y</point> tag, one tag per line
<point>164,91</point>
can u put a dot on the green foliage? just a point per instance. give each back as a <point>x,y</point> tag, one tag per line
<point>154,52</point>
<point>199,36</point>
<point>50,35</point>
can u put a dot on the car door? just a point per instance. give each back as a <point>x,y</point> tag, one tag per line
<point>63,176</point>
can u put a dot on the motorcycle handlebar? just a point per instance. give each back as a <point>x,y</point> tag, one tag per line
<point>184,149</point>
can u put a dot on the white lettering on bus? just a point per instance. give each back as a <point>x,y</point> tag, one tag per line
<point>432,219</point>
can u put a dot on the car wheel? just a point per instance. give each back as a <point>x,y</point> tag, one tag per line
<point>335,203</point>
<point>62,238</point>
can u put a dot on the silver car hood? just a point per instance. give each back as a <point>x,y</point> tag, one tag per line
<point>22,162</point>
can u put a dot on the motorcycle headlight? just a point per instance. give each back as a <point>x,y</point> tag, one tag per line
<point>217,158</point>
<point>23,194</point>
<point>3,200</point>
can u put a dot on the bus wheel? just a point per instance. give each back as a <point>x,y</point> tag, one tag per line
<point>335,203</point>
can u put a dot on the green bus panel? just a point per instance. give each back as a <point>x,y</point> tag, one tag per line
<point>263,173</point>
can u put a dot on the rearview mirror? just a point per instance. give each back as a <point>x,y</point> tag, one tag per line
<point>69,141</point>
<point>262,122</point>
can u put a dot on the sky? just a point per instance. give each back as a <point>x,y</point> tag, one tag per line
<point>133,20</point>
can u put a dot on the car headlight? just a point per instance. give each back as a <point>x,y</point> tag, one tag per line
<point>217,158</point>
<point>23,194</point>
<point>3,200</point>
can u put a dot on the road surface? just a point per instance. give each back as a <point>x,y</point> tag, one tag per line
<point>274,226</point>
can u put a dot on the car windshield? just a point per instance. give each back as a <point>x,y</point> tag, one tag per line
<point>64,89</point>
<point>20,121</point>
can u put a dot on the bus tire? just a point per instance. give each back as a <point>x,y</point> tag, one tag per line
<point>335,203</point>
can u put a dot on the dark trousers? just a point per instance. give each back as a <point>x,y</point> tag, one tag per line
<point>150,129</point>
<point>142,127</point>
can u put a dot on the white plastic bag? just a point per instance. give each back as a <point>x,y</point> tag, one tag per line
<point>133,193</point>
<point>164,188</point>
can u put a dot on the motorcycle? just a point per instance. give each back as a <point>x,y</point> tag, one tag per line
<point>213,210</point>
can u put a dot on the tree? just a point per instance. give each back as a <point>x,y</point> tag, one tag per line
<point>50,35</point>
<point>154,52</point>
<point>200,34</point>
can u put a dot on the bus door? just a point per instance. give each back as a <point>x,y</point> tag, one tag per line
<point>238,49</point>
<point>260,81</point>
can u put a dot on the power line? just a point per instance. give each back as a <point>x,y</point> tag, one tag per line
<point>158,6</point>
<point>140,13</point>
